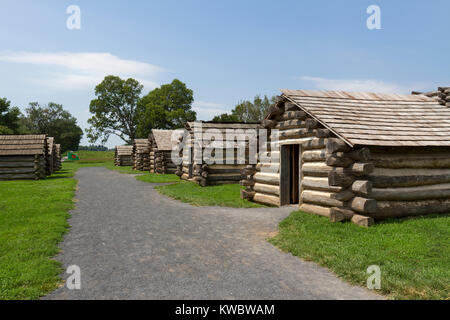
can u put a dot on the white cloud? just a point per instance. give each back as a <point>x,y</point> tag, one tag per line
<point>367,85</point>
<point>207,110</point>
<point>66,70</point>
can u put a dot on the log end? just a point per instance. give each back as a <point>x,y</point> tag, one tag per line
<point>363,221</point>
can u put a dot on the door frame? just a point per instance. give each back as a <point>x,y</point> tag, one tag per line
<point>285,173</point>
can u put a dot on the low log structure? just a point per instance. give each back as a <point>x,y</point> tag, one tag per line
<point>23,157</point>
<point>51,155</point>
<point>141,155</point>
<point>355,156</point>
<point>218,153</point>
<point>161,146</point>
<point>57,158</point>
<point>123,156</point>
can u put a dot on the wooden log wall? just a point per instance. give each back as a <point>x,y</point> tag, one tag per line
<point>57,158</point>
<point>23,167</point>
<point>162,163</point>
<point>209,172</point>
<point>327,168</point>
<point>151,154</point>
<point>184,169</point>
<point>141,155</point>
<point>50,156</point>
<point>123,156</point>
<point>410,181</point>
<point>442,95</point>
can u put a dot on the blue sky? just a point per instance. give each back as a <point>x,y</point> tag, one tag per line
<point>225,51</point>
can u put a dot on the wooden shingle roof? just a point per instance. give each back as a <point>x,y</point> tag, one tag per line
<point>231,125</point>
<point>163,139</point>
<point>124,150</point>
<point>141,145</point>
<point>375,119</point>
<point>11,145</point>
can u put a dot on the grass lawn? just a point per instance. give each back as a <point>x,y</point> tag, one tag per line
<point>227,195</point>
<point>33,220</point>
<point>106,159</point>
<point>413,254</point>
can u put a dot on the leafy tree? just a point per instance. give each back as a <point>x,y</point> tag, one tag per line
<point>92,148</point>
<point>247,111</point>
<point>54,121</point>
<point>9,117</point>
<point>167,107</point>
<point>225,117</point>
<point>114,110</point>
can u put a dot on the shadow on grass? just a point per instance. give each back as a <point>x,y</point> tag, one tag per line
<point>406,219</point>
<point>53,177</point>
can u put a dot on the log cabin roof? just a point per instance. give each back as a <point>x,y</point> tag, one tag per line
<point>376,119</point>
<point>141,145</point>
<point>163,139</point>
<point>228,125</point>
<point>124,150</point>
<point>11,145</point>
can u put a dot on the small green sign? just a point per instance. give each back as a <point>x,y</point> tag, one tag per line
<point>72,156</point>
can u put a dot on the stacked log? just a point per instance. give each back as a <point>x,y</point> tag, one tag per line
<point>23,157</point>
<point>208,168</point>
<point>161,146</point>
<point>442,95</point>
<point>349,168</point>
<point>185,168</point>
<point>410,181</point>
<point>123,156</point>
<point>141,155</point>
<point>50,156</point>
<point>57,158</point>
<point>328,170</point>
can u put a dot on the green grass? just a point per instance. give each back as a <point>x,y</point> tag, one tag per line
<point>106,159</point>
<point>33,220</point>
<point>413,254</point>
<point>227,195</point>
<point>158,178</point>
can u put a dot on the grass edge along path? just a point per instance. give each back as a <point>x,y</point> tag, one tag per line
<point>33,221</point>
<point>227,195</point>
<point>412,253</point>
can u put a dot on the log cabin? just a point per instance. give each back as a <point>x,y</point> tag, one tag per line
<point>57,158</point>
<point>354,156</point>
<point>199,162</point>
<point>23,157</point>
<point>141,154</point>
<point>51,155</point>
<point>161,146</point>
<point>123,156</point>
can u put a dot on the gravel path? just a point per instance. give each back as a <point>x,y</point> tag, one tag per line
<point>133,243</point>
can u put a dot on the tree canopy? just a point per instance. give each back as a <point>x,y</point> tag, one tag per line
<point>54,121</point>
<point>9,117</point>
<point>247,111</point>
<point>114,110</point>
<point>167,107</point>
